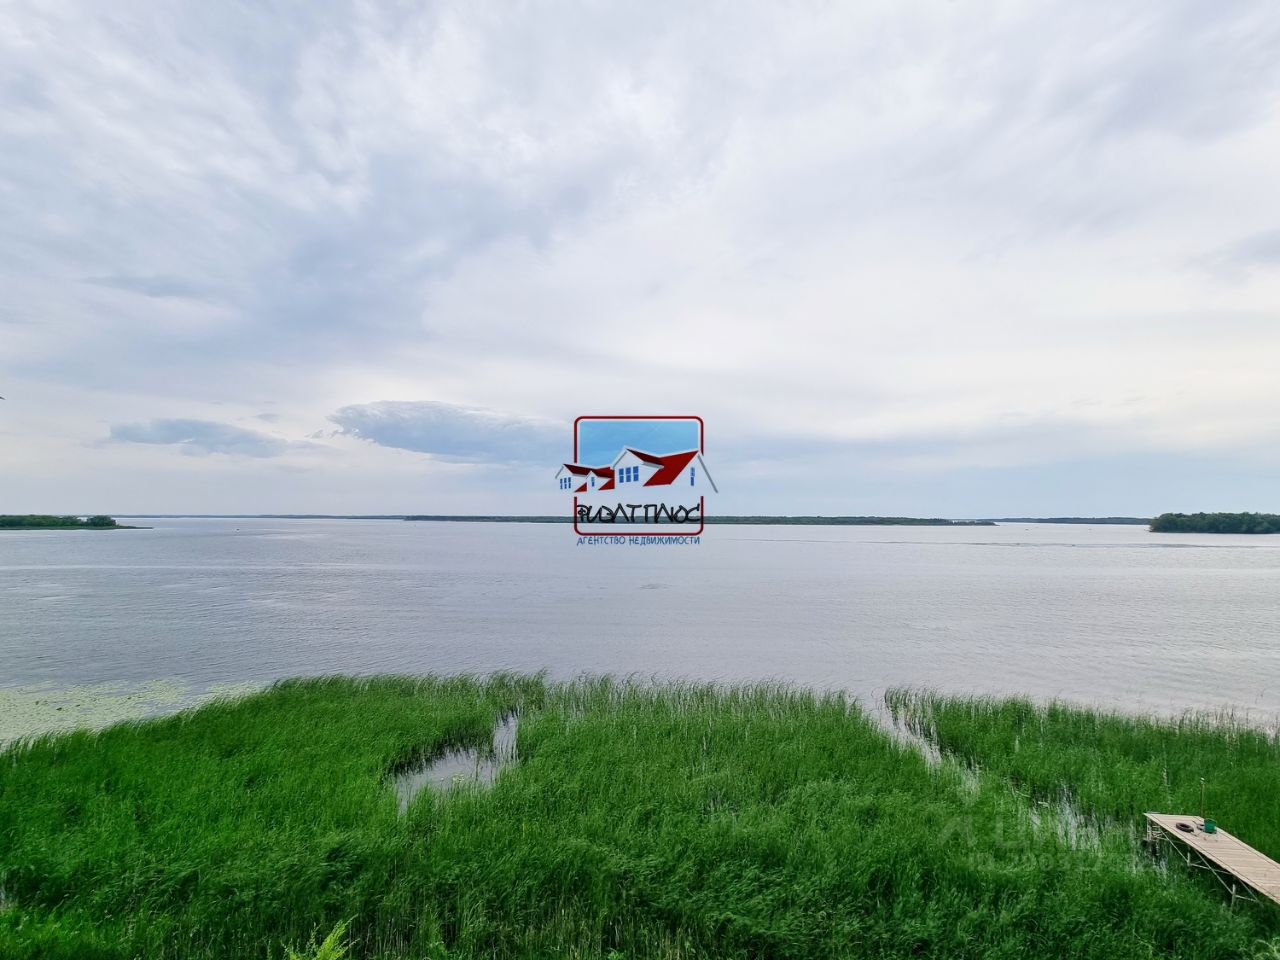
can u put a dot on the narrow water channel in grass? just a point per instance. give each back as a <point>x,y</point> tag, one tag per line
<point>460,766</point>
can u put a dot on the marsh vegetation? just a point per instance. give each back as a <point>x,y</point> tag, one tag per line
<point>633,821</point>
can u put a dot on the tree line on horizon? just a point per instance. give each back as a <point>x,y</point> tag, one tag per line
<point>1216,523</point>
<point>38,521</point>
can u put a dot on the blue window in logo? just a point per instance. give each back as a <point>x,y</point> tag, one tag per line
<point>691,473</point>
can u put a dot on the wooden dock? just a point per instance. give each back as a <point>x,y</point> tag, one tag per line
<point>1242,870</point>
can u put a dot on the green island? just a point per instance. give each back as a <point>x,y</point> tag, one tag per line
<point>635,821</point>
<point>1216,523</point>
<point>38,521</point>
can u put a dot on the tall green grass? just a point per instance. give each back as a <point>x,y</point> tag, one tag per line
<point>662,821</point>
<point>1112,766</point>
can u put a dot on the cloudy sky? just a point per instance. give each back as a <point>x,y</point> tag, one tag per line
<point>966,259</point>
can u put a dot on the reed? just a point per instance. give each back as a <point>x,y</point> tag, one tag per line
<point>640,820</point>
<point>1113,765</point>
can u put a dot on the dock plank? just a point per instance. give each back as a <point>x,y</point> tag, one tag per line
<point>1225,851</point>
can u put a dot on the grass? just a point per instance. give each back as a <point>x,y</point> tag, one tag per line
<point>1112,766</point>
<point>665,821</point>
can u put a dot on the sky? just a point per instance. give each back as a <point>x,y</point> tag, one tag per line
<point>602,441</point>
<point>917,258</point>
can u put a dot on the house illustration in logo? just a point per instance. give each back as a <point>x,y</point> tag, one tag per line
<point>579,479</point>
<point>635,473</point>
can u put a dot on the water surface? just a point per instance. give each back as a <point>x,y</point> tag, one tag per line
<point>1102,614</point>
<point>460,766</point>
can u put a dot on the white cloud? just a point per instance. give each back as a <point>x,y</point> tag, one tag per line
<point>450,432</point>
<point>201,437</point>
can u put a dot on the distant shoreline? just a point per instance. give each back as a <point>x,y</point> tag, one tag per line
<point>36,521</point>
<point>748,520</point>
<point>761,520</point>
<point>1113,521</point>
<point>559,518</point>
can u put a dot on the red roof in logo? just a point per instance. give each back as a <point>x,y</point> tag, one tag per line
<point>604,473</point>
<point>669,466</point>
